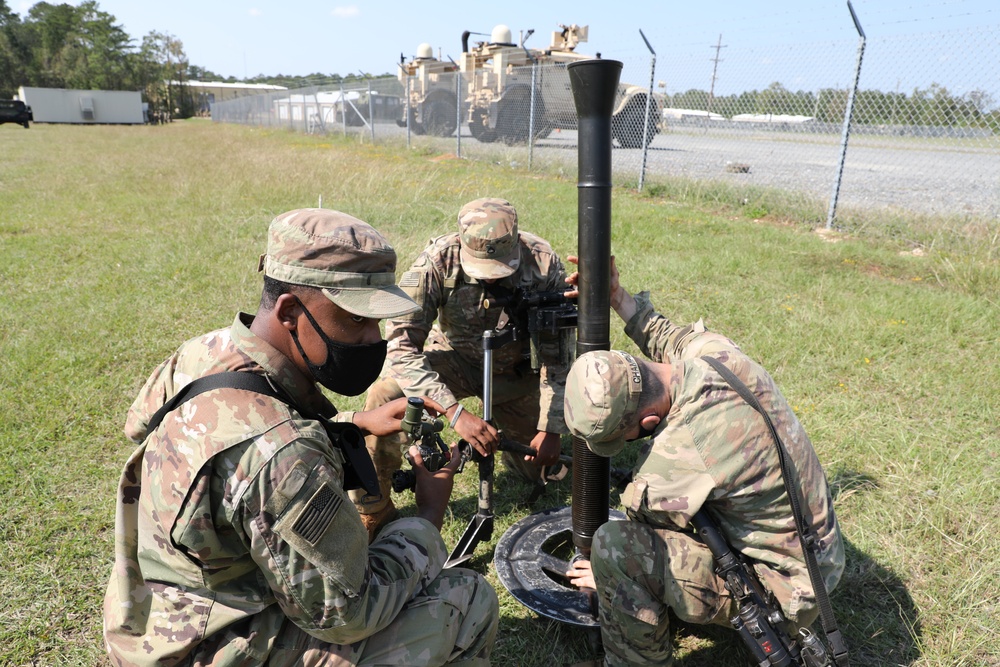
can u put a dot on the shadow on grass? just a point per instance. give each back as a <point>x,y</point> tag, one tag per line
<point>874,611</point>
<point>872,606</point>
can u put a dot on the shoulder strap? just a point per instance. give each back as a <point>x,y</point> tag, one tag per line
<point>359,470</point>
<point>806,535</point>
<point>229,379</point>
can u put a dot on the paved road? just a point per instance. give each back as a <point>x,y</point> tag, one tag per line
<point>932,176</point>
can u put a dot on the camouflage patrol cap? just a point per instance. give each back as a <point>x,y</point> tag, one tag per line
<point>602,398</point>
<point>488,232</point>
<point>346,258</point>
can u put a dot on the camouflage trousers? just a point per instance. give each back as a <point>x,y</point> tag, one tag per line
<point>453,621</point>
<point>515,410</point>
<point>641,572</point>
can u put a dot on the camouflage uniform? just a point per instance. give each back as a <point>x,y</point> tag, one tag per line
<point>445,362</point>
<point>235,543</point>
<point>712,450</point>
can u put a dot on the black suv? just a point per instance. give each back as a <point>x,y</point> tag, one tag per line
<point>15,111</point>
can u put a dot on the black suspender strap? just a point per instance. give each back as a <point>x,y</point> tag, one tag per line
<point>228,380</point>
<point>359,470</point>
<point>807,537</point>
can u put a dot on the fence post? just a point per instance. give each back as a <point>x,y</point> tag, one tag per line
<point>407,110</point>
<point>847,119</point>
<point>343,109</point>
<point>319,113</point>
<point>531,113</point>
<point>371,110</point>
<point>458,112</point>
<point>649,103</point>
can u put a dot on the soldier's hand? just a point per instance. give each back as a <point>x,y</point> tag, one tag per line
<point>478,433</point>
<point>548,447</point>
<point>580,574</point>
<point>386,418</point>
<point>433,489</point>
<point>574,278</point>
<point>622,302</point>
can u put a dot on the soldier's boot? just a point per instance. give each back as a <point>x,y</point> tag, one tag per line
<point>376,520</point>
<point>379,510</point>
<point>386,453</point>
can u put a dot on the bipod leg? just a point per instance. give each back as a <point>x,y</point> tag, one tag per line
<point>480,528</point>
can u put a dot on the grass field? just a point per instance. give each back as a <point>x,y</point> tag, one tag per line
<point>119,243</point>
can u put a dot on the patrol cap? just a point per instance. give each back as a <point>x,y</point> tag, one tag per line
<point>353,265</point>
<point>488,232</point>
<point>602,399</point>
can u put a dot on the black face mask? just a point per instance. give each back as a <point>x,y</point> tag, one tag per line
<point>349,369</point>
<point>643,433</point>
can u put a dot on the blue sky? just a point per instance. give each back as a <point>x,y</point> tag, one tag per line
<point>249,37</point>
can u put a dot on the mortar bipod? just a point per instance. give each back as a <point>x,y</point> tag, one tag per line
<point>480,528</point>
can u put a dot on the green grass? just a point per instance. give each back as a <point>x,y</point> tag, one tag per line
<point>119,243</point>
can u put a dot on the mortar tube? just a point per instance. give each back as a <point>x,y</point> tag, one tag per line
<point>594,84</point>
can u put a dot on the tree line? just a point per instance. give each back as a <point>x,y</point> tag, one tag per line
<point>82,47</point>
<point>932,106</point>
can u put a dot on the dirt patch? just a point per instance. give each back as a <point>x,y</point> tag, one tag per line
<point>829,235</point>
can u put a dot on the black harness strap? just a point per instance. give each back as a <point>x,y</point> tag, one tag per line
<point>359,470</point>
<point>810,545</point>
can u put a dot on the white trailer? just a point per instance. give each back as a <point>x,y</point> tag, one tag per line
<point>87,107</point>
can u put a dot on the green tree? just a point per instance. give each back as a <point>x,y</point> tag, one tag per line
<point>11,69</point>
<point>48,28</point>
<point>164,74</point>
<point>102,51</point>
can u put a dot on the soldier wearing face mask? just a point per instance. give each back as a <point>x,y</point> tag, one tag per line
<point>235,540</point>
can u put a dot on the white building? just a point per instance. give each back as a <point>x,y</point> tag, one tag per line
<point>206,93</point>
<point>771,118</point>
<point>681,115</point>
<point>90,107</point>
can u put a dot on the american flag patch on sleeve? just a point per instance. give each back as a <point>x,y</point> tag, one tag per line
<point>319,512</point>
<point>410,279</point>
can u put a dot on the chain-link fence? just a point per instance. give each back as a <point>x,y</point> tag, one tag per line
<point>924,135</point>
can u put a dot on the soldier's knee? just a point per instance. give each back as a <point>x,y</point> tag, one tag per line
<point>607,540</point>
<point>383,391</point>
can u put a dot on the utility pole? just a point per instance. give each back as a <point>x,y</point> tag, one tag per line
<point>715,68</point>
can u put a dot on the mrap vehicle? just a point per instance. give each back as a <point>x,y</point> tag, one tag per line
<point>496,83</point>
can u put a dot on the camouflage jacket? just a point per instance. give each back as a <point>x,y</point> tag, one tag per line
<point>231,522</point>
<point>446,294</point>
<point>714,450</point>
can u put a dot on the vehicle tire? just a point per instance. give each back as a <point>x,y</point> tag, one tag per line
<point>354,118</point>
<point>627,125</point>
<point>480,129</point>
<point>439,119</point>
<point>513,114</point>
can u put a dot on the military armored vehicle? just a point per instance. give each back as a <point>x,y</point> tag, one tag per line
<point>498,78</point>
<point>15,111</point>
<point>432,103</point>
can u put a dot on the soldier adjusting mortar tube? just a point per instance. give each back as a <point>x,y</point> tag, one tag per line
<point>594,84</point>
